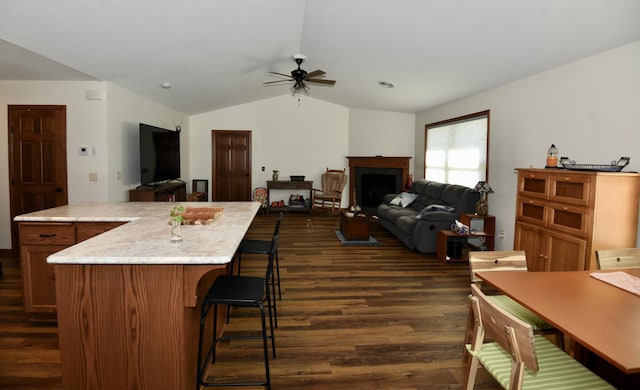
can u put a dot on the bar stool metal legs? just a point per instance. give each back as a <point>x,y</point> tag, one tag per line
<point>239,291</point>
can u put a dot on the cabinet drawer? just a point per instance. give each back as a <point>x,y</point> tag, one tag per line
<point>86,230</point>
<point>533,184</point>
<point>47,233</point>
<point>567,218</point>
<point>532,210</point>
<point>570,189</point>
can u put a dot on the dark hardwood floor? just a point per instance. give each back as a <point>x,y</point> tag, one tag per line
<point>351,317</point>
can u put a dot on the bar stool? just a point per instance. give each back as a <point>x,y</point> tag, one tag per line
<point>239,291</point>
<point>264,247</point>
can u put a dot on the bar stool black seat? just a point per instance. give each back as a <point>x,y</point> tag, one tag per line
<point>263,247</point>
<point>238,291</point>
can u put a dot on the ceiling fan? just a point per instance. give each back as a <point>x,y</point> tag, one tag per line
<point>300,76</point>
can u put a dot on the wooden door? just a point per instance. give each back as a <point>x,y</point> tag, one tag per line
<point>231,165</point>
<point>37,160</point>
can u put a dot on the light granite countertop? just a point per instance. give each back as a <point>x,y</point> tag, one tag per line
<point>144,239</point>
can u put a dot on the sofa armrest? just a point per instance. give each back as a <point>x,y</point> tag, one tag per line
<point>388,198</point>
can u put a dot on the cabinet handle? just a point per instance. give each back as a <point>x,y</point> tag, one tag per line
<point>42,235</point>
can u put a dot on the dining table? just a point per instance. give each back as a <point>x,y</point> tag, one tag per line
<point>601,319</point>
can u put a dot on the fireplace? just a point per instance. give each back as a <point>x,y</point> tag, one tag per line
<point>373,183</point>
<point>373,177</point>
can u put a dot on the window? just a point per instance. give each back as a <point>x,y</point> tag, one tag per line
<point>457,150</point>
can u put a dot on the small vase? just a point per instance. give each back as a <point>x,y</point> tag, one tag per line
<point>176,231</point>
<point>408,183</point>
<point>275,175</point>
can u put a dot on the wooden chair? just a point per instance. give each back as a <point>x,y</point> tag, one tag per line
<point>516,358</point>
<point>330,196</point>
<point>490,261</point>
<point>618,258</point>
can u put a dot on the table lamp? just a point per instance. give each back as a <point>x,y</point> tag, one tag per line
<point>482,207</point>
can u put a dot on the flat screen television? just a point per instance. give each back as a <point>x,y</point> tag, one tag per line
<point>159,154</point>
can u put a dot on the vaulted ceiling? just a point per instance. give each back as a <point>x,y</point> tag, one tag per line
<point>218,53</point>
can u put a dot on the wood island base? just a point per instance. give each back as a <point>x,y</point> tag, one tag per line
<point>131,326</point>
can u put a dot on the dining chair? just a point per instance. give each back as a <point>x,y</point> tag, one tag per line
<point>238,291</point>
<point>516,357</point>
<point>492,261</point>
<point>618,258</point>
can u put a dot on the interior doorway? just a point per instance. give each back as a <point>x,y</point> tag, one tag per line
<point>231,165</point>
<point>37,160</point>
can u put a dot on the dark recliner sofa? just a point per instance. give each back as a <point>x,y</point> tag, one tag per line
<point>436,207</point>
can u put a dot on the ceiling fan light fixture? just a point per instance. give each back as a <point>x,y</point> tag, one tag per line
<point>386,84</point>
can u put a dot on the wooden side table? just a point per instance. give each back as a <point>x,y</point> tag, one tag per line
<point>355,227</point>
<point>487,235</point>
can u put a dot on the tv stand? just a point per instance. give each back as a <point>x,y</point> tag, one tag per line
<point>167,192</point>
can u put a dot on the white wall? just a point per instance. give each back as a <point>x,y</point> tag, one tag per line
<point>294,138</point>
<point>125,111</point>
<point>109,125</point>
<point>381,133</point>
<point>589,109</point>
<point>86,126</point>
<point>301,138</point>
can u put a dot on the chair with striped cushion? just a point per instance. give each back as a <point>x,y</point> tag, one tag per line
<point>618,258</point>
<point>516,358</point>
<point>490,261</point>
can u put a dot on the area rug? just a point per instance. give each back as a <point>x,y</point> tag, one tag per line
<point>370,241</point>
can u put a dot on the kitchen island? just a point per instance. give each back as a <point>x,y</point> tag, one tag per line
<point>128,300</point>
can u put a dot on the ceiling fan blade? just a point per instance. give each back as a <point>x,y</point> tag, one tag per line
<point>321,81</point>
<point>316,73</point>
<point>281,74</point>
<point>278,81</point>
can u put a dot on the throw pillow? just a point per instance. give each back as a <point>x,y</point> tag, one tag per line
<point>404,199</point>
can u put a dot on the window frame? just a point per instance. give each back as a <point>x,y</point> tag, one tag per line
<point>447,122</point>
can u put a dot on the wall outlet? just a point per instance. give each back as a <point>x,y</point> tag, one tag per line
<point>501,235</point>
<point>93,176</point>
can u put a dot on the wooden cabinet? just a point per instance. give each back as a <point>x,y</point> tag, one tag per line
<point>167,192</point>
<point>37,241</point>
<point>563,217</point>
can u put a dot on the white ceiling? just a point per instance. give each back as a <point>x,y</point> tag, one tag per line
<point>218,53</point>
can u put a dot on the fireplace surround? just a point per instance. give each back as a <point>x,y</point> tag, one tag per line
<point>370,178</point>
